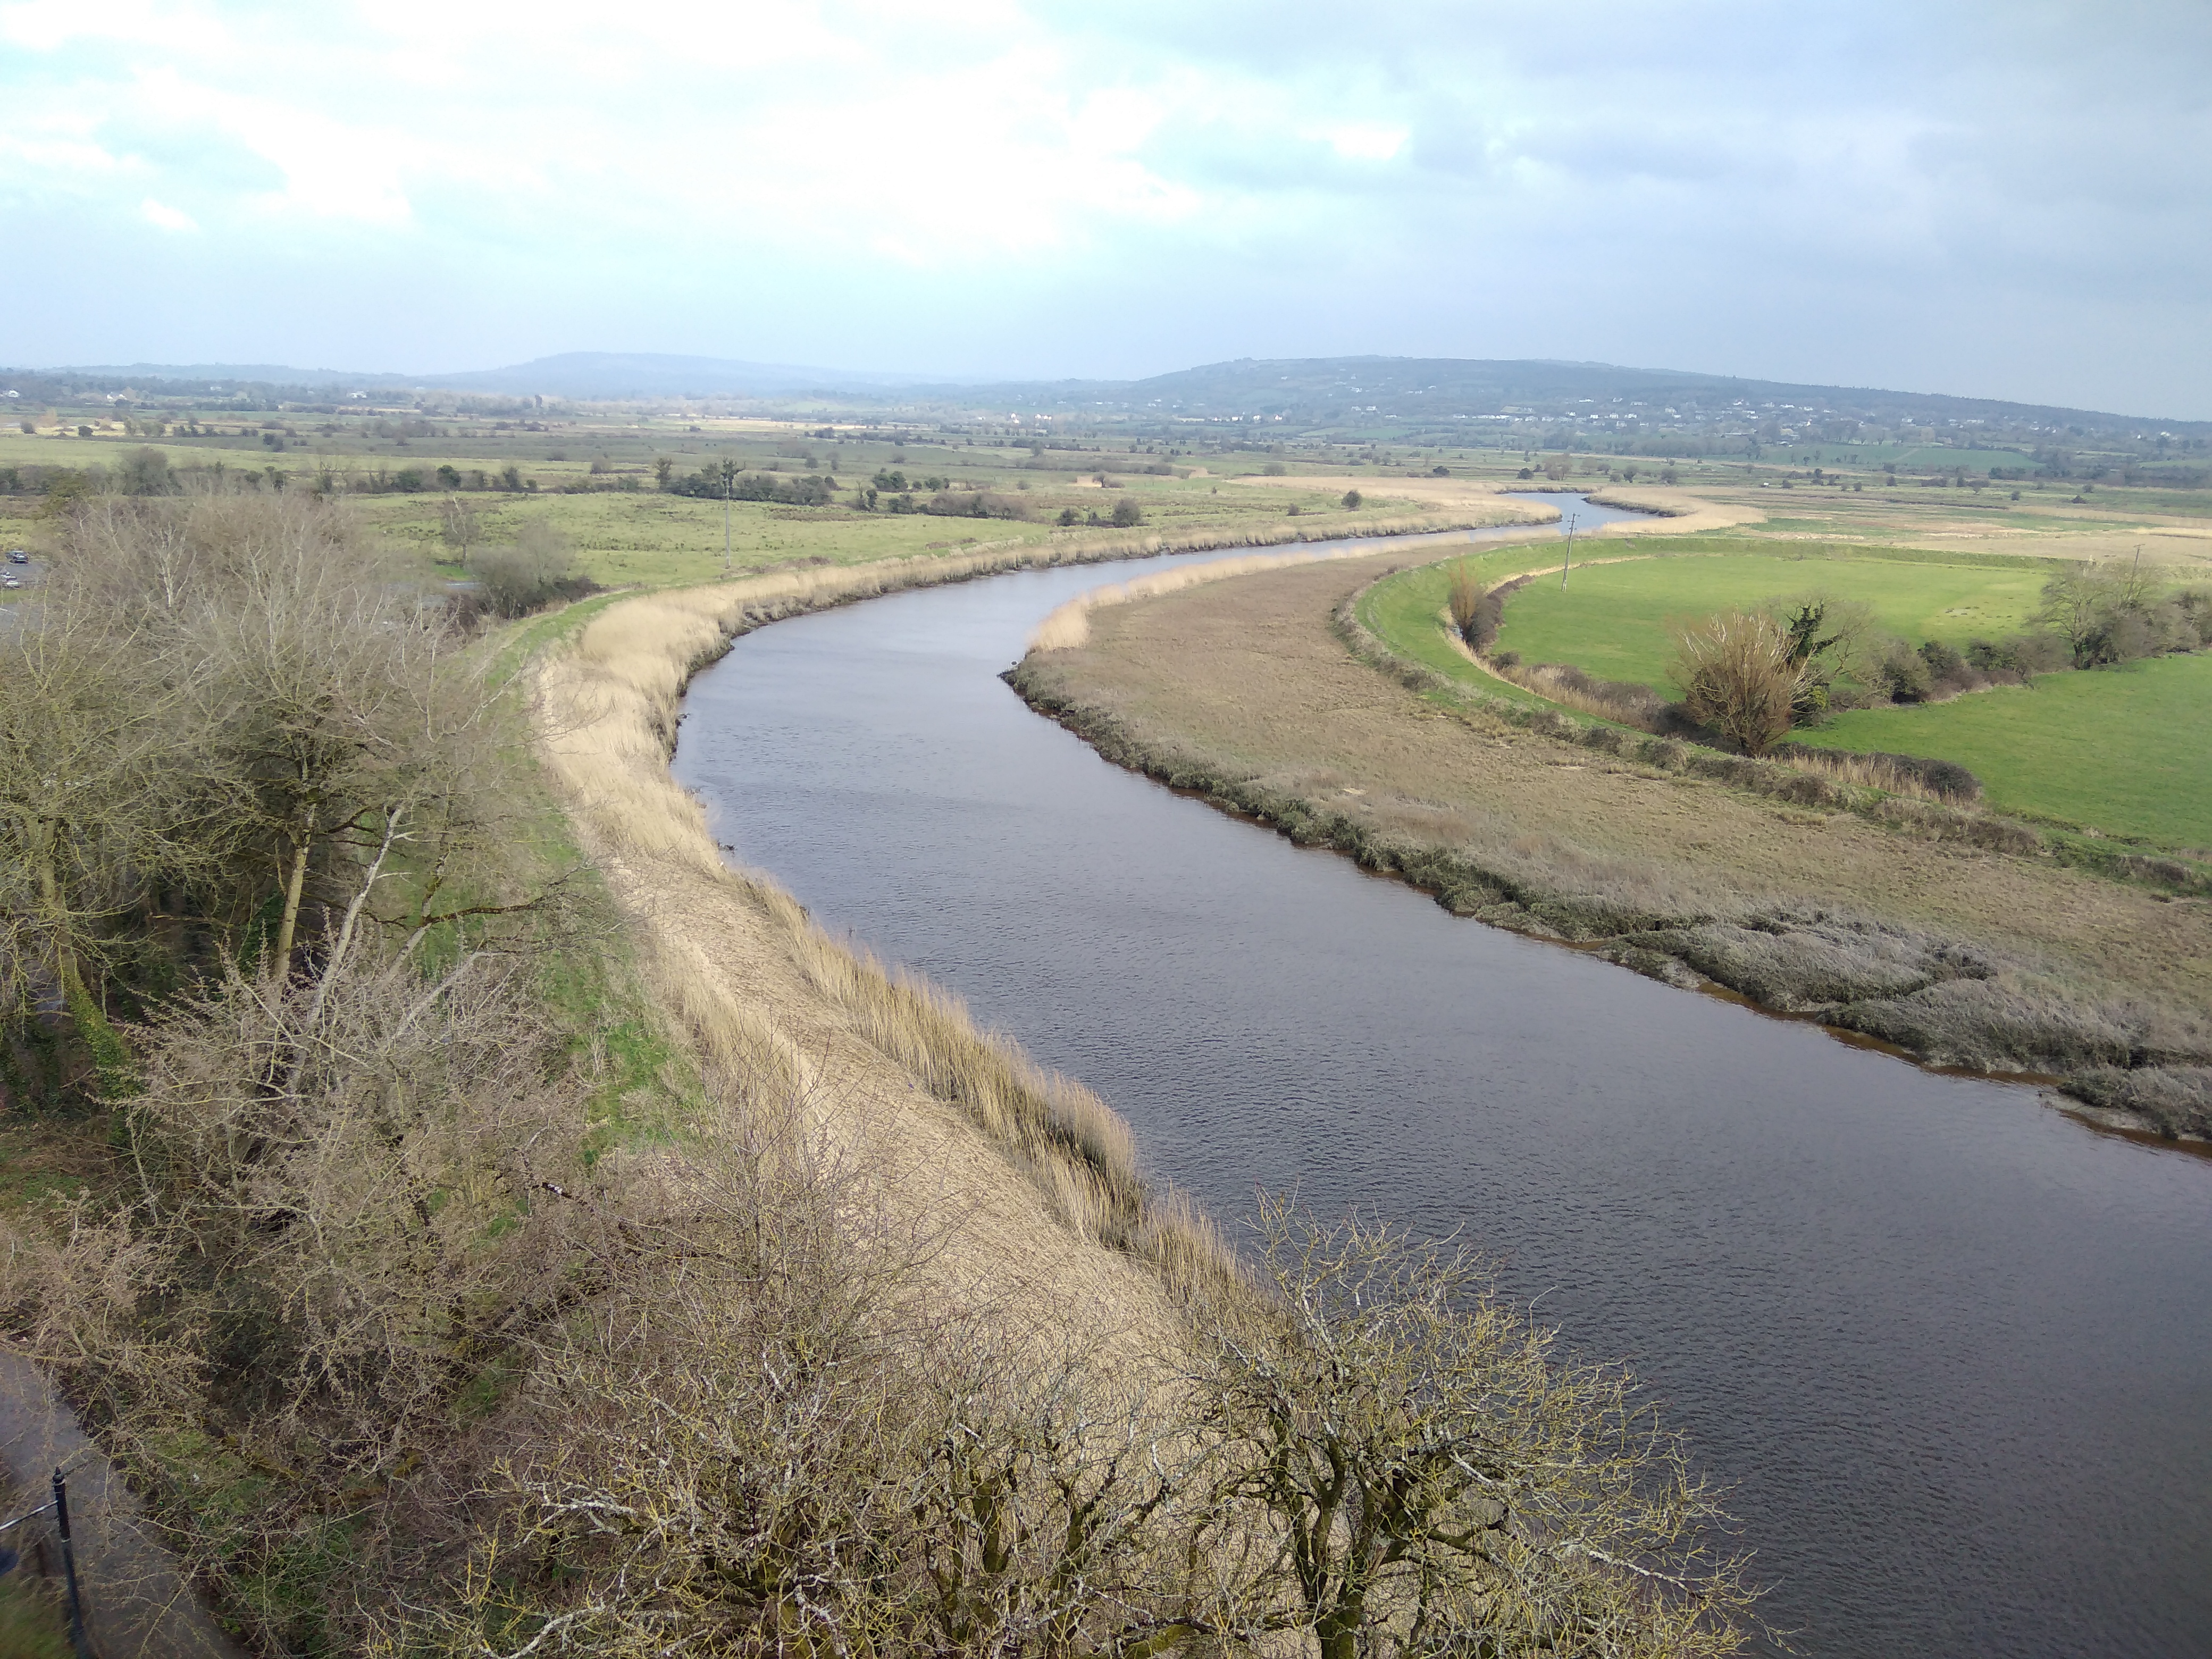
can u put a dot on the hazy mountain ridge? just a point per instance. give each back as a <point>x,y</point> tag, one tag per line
<point>1357,390</point>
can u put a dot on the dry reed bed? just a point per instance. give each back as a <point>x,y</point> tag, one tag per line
<point>775,1002</point>
<point>1069,626</point>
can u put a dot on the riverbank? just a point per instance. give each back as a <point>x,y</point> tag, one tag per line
<point>1021,1186</point>
<point>1906,932</point>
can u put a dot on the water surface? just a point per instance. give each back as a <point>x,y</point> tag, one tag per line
<point>1953,1349</point>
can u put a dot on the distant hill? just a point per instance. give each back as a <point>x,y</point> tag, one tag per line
<point>233,375</point>
<point>1423,390</point>
<point>581,375</point>
<point>1356,392</point>
<point>611,374</point>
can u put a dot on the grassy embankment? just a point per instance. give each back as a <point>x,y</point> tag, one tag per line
<point>1899,919</point>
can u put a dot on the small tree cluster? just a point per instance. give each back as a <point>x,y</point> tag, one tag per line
<point>2111,612</point>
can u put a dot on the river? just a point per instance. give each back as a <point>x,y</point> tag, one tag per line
<point>1951,1349</point>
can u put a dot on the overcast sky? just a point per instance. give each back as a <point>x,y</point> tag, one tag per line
<point>2008,199</point>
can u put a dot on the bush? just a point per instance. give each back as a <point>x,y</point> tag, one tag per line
<point>1126,512</point>
<point>144,472</point>
<point>1467,595</point>
<point>1903,675</point>
<point>1944,662</point>
<point>2022,656</point>
<point>977,504</point>
<point>1738,677</point>
<point>1350,501</point>
<point>536,569</point>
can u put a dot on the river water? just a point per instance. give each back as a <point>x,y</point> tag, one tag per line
<point>1952,1350</point>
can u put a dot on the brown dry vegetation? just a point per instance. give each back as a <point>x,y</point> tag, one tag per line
<point>443,1295</point>
<point>1908,931</point>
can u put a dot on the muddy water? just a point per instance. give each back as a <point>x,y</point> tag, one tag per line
<point>1953,1349</point>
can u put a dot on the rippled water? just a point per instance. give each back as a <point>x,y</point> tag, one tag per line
<point>1953,1349</point>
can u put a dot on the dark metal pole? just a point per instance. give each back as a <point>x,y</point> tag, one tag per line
<point>78,1641</point>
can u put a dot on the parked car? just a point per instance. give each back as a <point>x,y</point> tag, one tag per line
<point>11,581</point>
<point>16,556</point>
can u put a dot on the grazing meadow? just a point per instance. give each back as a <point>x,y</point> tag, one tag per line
<point>2118,751</point>
<point>1612,620</point>
<point>2127,750</point>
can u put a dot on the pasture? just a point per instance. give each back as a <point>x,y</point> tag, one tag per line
<point>2124,751</point>
<point>1612,620</point>
<point>2127,750</point>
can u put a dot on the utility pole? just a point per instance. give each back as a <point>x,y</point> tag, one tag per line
<point>729,481</point>
<point>1569,558</point>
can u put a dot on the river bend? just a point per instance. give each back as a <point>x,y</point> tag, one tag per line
<point>1952,1350</point>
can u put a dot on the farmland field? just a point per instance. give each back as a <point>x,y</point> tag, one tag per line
<point>1612,620</point>
<point>2128,750</point>
<point>2124,751</point>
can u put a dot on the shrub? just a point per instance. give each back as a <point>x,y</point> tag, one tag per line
<point>144,472</point>
<point>1944,662</point>
<point>534,569</point>
<point>2021,655</point>
<point>1738,676</point>
<point>1903,675</point>
<point>1351,500</point>
<point>977,504</point>
<point>1467,604</point>
<point>1126,512</point>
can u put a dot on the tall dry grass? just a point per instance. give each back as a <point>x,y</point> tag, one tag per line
<point>1069,627</point>
<point>607,707</point>
<point>1867,771</point>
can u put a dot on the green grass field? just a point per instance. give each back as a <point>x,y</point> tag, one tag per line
<point>1611,620</point>
<point>1404,611</point>
<point>2126,750</point>
<point>641,536</point>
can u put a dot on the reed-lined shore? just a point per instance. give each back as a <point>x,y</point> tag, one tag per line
<point>1896,919</point>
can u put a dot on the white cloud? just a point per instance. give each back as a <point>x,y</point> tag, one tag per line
<point>1357,142</point>
<point>962,175</point>
<point>164,216</point>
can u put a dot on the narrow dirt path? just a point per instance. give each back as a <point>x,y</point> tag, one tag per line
<point>138,1604</point>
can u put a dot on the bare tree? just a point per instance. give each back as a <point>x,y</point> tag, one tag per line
<point>1475,612</point>
<point>457,525</point>
<point>1739,674</point>
<point>91,815</point>
<point>1431,1479</point>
